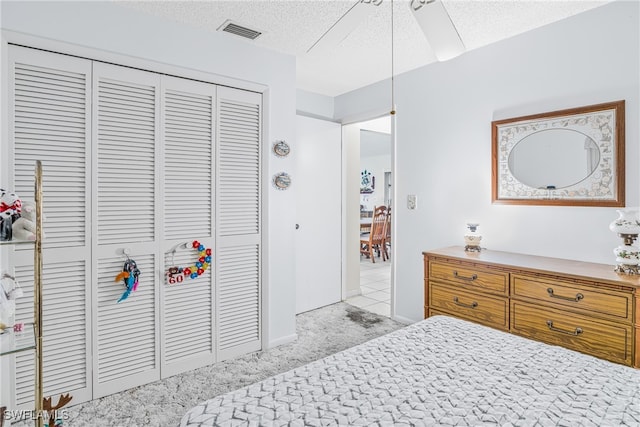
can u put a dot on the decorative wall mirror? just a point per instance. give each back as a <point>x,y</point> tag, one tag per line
<point>571,157</point>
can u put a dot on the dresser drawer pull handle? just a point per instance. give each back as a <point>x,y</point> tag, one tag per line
<point>577,298</point>
<point>457,276</point>
<point>472,305</point>
<point>577,332</point>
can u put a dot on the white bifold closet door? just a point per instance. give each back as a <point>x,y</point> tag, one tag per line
<point>49,109</point>
<point>239,229</point>
<point>188,132</point>
<point>128,217</point>
<point>139,162</point>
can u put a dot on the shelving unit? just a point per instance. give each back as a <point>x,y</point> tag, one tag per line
<point>12,342</point>
<point>31,337</point>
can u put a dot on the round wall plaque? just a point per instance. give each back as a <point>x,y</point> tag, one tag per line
<point>282,180</point>
<point>281,149</point>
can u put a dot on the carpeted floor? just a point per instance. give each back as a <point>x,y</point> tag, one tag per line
<point>320,332</point>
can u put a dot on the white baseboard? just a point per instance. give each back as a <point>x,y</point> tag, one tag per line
<point>402,319</point>
<point>353,293</point>
<point>283,340</point>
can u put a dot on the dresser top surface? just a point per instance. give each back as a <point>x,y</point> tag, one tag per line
<point>576,269</point>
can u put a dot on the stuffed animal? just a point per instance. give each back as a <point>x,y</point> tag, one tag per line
<point>6,225</point>
<point>10,201</point>
<point>24,228</point>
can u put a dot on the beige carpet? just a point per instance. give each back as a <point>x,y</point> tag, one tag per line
<point>320,332</point>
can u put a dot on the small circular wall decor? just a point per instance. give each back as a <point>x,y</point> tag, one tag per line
<point>281,149</point>
<point>282,181</point>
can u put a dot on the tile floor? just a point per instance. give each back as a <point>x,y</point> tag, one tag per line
<point>375,284</point>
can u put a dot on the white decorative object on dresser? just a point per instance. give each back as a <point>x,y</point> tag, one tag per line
<point>583,306</point>
<point>627,227</point>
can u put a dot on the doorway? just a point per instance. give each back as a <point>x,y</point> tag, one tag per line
<point>373,290</point>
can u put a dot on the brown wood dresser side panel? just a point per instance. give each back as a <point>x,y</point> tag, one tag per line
<point>426,285</point>
<point>636,325</point>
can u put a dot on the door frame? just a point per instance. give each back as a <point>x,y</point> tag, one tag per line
<point>351,264</point>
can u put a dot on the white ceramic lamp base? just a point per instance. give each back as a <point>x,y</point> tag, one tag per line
<point>472,239</point>
<point>627,226</point>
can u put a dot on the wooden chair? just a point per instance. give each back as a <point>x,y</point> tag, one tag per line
<point>386,245</point>
<point>379,210</point>
<point>374,240</point>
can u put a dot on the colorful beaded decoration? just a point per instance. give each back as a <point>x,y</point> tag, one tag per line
<point>193,271</point>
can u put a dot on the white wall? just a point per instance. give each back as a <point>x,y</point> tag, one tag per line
<point>377,165</point>
<point>114,29</point>
<point>375,157</point>
<point>351,210</point>
<point>443,139</point>
<point>314,105</point>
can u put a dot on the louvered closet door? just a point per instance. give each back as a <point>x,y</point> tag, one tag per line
<point>49,115</point>
<point>238,207</point>
<point>126,185</point>
<point>188,153</point>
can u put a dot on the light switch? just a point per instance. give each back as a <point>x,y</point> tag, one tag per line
<point>412,201</point>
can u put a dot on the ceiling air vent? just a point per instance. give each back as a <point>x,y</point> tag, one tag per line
<point>239,30</point>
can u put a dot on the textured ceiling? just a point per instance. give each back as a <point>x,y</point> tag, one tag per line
<point>364,56</point>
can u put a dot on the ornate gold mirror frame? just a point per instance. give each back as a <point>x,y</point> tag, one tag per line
<point>599,133</point>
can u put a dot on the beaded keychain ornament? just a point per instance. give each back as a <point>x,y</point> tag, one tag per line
<point>178,274</point>
<point>129,275</point>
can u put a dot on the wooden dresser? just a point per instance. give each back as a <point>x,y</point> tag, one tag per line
<point>583,306</point>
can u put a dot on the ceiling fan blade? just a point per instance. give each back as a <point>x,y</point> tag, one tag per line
<point>437,26</point>
<point>345,25</point>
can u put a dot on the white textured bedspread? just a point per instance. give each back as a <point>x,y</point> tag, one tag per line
<point>440,371</point>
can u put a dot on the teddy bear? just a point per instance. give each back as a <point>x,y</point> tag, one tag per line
<point>24,228</point>
<point>10,201</point>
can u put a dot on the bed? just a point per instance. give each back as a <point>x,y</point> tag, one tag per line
<point>440,371</point>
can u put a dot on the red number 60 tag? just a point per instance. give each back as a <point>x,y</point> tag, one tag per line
<point>173,276</point>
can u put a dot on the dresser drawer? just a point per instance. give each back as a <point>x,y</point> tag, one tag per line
<point>483,280</point>
<point>603,339</point>
<point>484,309</point>
<point>598,302</point>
